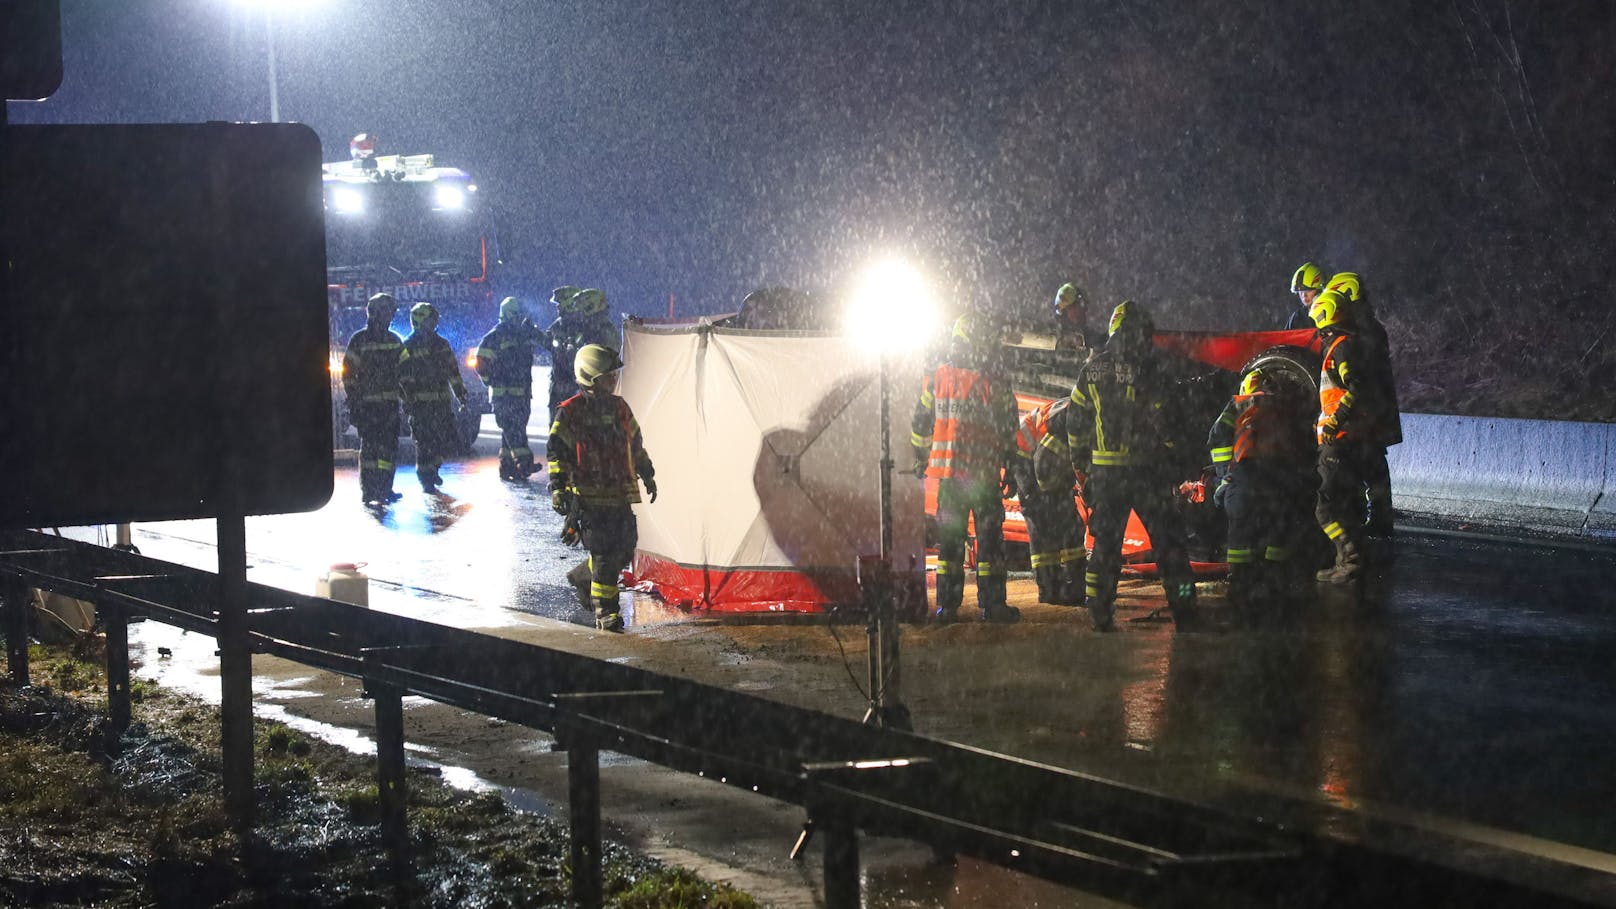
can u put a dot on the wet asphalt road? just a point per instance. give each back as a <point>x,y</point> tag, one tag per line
<point>1465,682</point>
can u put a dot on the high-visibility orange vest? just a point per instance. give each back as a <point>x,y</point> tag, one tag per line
<point>965,442</point>
<point>1334,396</point>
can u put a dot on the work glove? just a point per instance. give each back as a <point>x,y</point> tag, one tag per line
<point>650,487</point>
<point>1329,427</point>
<point>1007,487</point>
<point>1221,494</point>
<point>561,501</point>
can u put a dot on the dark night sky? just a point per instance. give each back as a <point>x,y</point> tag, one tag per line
<point>1190,154</point>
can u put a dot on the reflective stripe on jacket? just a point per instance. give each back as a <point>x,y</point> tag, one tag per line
<point>370,366</point>
<point>1338,391</point>
<point>427,370</point>
<point>596,451</point>
<point>505,358</point>
<point>964,424</point>
<point>1257,427</point>
<point>1041,435</point>
<point>1116,410</point>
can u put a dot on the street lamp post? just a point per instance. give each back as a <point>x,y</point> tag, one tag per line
<point>270,8</point>
<point>274,89</point>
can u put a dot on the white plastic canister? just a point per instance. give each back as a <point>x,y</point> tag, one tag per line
<point>345,583</point>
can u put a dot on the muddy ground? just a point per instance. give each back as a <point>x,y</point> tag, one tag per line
<point>80,826</point>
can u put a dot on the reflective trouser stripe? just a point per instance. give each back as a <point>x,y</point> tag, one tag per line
<point>510,392</point>
<point>1240,556</point>
<point>369,465</point>
<point>1334,530</point>
<point>1091,583</point>
<point>602,591</point>
<point>919,441</point>
<point>950,568</point>
<point>1068,556</point>
<point>988,569</point>
<point>383,464</point>
<point>1277,554</point>
<point>1112,458</point>
<point>1040,559</point>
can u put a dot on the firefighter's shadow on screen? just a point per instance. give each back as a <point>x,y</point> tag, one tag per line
<point>817,484</point>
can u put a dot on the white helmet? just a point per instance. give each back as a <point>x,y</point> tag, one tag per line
<point>594,361</point>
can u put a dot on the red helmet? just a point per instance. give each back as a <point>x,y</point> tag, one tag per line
<point>362,147</point>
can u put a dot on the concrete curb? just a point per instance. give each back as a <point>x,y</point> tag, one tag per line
<point>1542,476</point>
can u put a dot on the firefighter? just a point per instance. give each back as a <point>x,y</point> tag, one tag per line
<point>505,362</point>
<point>1388,425</point>
<point>1350,409</point>
<point>1043,478</point>
<point>1261,447</point>
<point>963,433</point>
<point>597,461</point>
<point>1116,415</point>
<point>430,381</point>
<point>582,321</point>
<point>370,380</point>
<point>1071,318</point>
<point>1306,283</point>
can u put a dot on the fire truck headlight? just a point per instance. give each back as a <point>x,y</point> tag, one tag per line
<point>471,360</point>
<point>333,363</point>
<point>347,200</point>
<point>449,198</point>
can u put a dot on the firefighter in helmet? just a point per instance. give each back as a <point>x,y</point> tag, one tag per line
<point>1306,282</point>
<point>1262,449</point>
<point>1350,408</point>
<point>1071,318</point>
<point>1044,481</point>
<point>597,463</point>
<point>370,381</point>
<point>1117,415</point>
<point>963,434</point>
<point>430,381</point>
<point>1388,422</point>
<point>582,321</point>
<point>505,363</point>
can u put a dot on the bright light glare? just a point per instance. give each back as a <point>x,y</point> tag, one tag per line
<point>276,6</point>
<point>347,200</point>
<point>893,309</point>
<point>449,197</point>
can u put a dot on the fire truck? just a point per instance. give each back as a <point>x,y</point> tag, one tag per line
<point>407,226</point>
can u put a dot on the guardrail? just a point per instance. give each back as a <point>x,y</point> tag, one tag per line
<point>1068,827</point>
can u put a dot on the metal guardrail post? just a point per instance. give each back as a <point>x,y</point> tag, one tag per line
<point>116,622</point>
<point>841,861</point>
<point>235,673</point>
<point>583,810</point>
<point>391,783</point>
<point>16,610</point>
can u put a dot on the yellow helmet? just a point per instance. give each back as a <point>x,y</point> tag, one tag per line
<point>423,316</point>
<point>1255,381</point>
<point>1347,285</point>
<point>1130,315</point>
<point>562,297</point>
<point>1309,277</point>
<point>510,309</point>
<point>965,329</point>
<point>1329,309</point>
<point>1067,297</point>
<point>594,361</point>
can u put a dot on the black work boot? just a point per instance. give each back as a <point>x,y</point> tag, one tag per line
<point>608,621</point>
<point>950,593</point>
<point>1348,563</point>
<point>1048,580</point>
<point>1100,609</point>
<point>990,596</point>
<point>1071,583</point>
